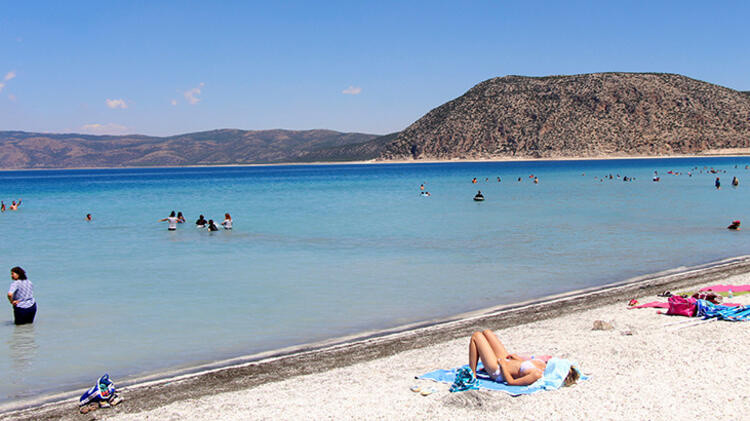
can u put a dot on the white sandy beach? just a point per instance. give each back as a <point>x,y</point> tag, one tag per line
<point>670,368</point>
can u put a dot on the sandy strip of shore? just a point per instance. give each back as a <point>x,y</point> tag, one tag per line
<point>663,370</point>
<point>710,153</point>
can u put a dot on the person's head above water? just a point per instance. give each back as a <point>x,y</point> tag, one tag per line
<point>19,273</point>
<point>172,214</point>
<point>226,216</point>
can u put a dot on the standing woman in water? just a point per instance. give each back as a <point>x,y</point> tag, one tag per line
<point>21,297</point>
<point>172,221</point>
<point>227,224</point>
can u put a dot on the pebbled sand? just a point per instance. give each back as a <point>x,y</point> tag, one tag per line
<point>669,368</point>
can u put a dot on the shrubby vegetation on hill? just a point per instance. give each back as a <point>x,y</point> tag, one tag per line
<point>577,116</point>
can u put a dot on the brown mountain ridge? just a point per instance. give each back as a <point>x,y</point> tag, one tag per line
<point>599,114</point>
<point>216,147</point>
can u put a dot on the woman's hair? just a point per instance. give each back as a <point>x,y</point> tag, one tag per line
<point>179,213</point>
<point>171,214</point>
<point>20,272</point>
<point>226,216</point>
<point>572,377</point>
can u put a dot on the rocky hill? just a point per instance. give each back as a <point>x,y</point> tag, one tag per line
<point>601,114</point>
<point>217,147</point>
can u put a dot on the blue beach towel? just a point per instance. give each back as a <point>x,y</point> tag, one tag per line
<point>554,375</point>
<point>708,310</point>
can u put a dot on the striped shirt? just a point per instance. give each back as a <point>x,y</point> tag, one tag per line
<point>23,292</point>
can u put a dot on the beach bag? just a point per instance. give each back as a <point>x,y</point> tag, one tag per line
<point>103,390</point>
<point>681,306</point>
<point>464,380</point>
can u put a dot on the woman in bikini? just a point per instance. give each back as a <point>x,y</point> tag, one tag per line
<point>505,367</point>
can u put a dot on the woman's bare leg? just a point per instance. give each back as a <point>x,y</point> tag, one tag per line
<point>497,347</point>
<point>479,348</point>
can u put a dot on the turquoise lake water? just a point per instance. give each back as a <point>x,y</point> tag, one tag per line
<point>320,252</point>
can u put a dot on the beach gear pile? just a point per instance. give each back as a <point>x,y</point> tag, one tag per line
<point>102,394</point>
<point>706,303</point>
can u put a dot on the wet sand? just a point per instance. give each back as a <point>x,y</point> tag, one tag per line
<point>640,376</point>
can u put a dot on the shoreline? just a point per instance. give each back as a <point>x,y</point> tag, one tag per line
<point>159,389</point>
<point>740,153</point>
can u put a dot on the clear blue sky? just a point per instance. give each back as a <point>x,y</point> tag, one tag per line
<point>163,68</point>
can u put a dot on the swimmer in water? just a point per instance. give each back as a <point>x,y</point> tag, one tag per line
<point>479,195</point>
<point>421,187</point>
<point>201,222</point>
<point>474,180</point>
<point>735,182</point>
<point>735,225</point>
<point>227,223</point>
<point>717,183</point>
<point>180,218</point>
<point>14,206</point>
<point>88,217</point>
<point>172,219</point>
<point>2,206</point>
<point>212,225</point>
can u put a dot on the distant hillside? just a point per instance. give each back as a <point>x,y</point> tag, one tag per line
<point>351,152</point>
<point>577,116</point>
<point>217,147</point>
<point>600,114</point>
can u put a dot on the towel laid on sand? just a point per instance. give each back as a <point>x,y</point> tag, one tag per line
<point>725,288</point>
<point>659,304</point>
<point>709,310</point>
<point>554,375</point>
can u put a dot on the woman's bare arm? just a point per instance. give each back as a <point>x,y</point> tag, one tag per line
<point>521,381</point>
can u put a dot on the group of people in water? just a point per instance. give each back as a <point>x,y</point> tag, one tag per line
<point>13,206</point>
<point>175,219</point>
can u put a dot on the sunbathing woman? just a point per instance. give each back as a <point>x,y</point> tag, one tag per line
<point>505,367</point>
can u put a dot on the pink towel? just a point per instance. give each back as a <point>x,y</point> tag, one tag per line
<point>654,304</point>
<point>725,288</point>
<point>659,304</point>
